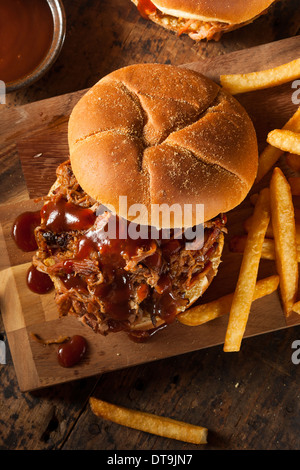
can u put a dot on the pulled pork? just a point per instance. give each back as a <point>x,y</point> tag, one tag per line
<point>109,283</point>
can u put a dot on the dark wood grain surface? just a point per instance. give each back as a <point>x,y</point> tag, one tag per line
<point>248,400</point>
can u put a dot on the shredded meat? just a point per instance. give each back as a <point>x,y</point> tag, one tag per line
<point>110,289</point>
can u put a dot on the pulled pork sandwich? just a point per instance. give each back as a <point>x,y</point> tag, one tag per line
<point>159,136</point>
<point>202,19</point>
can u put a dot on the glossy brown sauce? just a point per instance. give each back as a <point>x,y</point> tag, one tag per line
<point>117,289</point>
<point>72,351</point>
<point>26,32</point>
<point>38,282</point>
<point>111,252</point>
<point>23,235</point>
<point>62,216</point>
<point>146,8</point>
<point>23,230</point>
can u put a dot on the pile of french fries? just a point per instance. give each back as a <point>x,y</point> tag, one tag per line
<point>272,232</point>
<point>282,240</point>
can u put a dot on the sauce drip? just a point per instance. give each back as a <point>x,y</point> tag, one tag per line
<point>116,289</point>
<point>38,282</point>
<point>146,8</point>
<point>106,240</point>
<point>71,352</point>
<point>74,281</point>
<point>26,32</point>
<point>23,230</point>
<point>63,216</point>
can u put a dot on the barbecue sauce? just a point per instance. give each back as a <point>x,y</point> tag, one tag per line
<point>23,234</point>
<point>111,245</point>
<point>146,8</point>
<point>110,250</point>
<point>38,282</point>
<point>63,216</point>
<point>72,351</point>
<point>23,230</point>
<point>26,32</point>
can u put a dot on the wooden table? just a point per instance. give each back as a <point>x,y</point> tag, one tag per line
<point>248,400</point>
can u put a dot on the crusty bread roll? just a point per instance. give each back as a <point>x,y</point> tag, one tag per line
<point>161,134</point>
<point>208,19</point>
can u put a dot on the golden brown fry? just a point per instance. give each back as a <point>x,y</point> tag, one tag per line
<point>293,161</point>
<point>284,229</point>
<point>285,140</point>
<point>270,154</point>
<point>247,225</point>
<point>245,288</point>
<point>242,83</point>
<point>269,232</point>
<point>237,245</point>
<point>206,312</point>
<point>150,423</point>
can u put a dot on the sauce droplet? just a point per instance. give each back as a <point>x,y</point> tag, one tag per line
<point>63,216</point>
<point>38,282</point>
<point>71,352</point>
<point>23,230</point>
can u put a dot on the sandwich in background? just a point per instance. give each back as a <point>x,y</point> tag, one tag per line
<point>202,19</point>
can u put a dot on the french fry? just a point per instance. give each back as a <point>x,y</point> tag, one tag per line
<point>247,226</point>
<point>245,288</point>
<point>294,182</point>
<point>283,222</point>
<point>293,161</point>
<point>285,140</point>
<point>253,199</point>
<point>204,313</point>
<point>150,423</point>
<point>270,155</point>
<point>269,232</point>
<point>242,83</point>
<point>238,243</point>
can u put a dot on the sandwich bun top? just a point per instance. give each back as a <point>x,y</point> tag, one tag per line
<point>160,134</point>
<point>225,11</point>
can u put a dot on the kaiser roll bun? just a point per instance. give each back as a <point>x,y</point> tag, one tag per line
<point>161,134</point>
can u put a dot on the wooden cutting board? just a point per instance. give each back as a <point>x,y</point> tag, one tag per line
<point>35,137</point>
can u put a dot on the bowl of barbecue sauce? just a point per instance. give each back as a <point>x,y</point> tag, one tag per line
<point>32,33</point>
